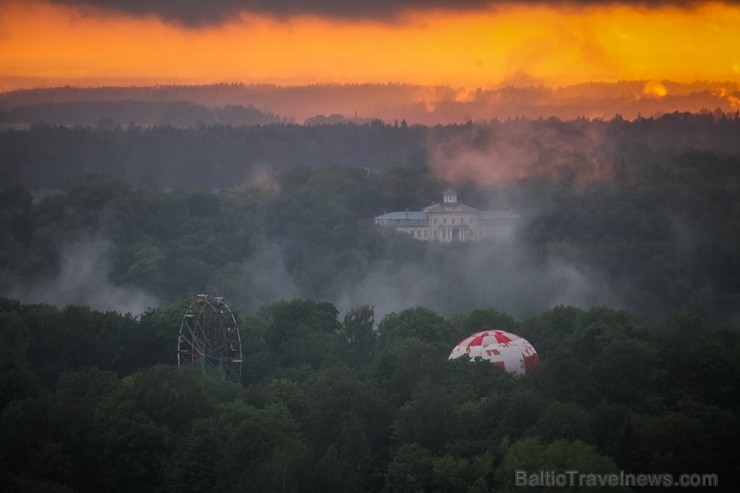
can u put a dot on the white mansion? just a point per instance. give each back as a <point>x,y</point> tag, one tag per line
<point>451,222</point>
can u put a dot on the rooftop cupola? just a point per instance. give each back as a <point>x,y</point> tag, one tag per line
<point>450,196</point>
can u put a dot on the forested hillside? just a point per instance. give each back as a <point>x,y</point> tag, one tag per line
<point>216,156</point>
<point>109,113</point>
<point>91,401</point>
<point>623,272</point>
<point>418,104</point>
<point>656,234</point>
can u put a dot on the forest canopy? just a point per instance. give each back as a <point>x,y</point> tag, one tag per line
<point>618,213</point>
<point>623,272</point>
<point>93,401</point>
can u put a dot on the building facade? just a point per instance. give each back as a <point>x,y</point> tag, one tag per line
<point>451,222</point>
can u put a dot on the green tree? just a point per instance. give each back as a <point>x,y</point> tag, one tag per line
<point>301,332</point>
<point>402,364</point>
<point>410,470</point>
<point>420,323</point>
<point>426,419</point>
<point>359,336</point>
<point>524,410</point>
<point>529,456</point>
<point>624,371</point>
<point>484,319</point>
<point>566,421</point>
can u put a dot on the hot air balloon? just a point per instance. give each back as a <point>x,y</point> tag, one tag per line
<point>512,353</point>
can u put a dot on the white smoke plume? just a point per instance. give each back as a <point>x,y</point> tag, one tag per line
<point>500,154</point>
<point>263,278</point>
<point>504,275</point>
<point>84,279</point>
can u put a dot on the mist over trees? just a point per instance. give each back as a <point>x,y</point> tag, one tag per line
<point>624,273</point>
<point>637,215</point>
<point>225,156</point>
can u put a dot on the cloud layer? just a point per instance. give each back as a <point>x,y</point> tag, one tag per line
<point>195,13</point>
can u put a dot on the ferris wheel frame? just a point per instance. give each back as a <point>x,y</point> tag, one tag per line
<point>209,339</point>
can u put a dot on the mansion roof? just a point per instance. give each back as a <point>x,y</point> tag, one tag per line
<point>421,218</point>
<point>415,218</point>
<point>449,207</point>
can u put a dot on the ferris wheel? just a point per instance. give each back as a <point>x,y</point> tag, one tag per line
<point>209,339</point>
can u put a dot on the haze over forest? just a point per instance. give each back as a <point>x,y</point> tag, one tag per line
<point>499,99</point>
<point>337,103</point>
<point>623,273</point>
<point>154,151</point>
<point>597,197</point>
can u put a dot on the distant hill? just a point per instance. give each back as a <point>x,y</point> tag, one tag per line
<point>239,104</point>
<point>174,113</point>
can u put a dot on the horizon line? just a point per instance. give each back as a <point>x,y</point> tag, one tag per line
<point>121,82</point>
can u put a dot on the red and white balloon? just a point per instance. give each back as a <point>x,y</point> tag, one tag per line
<point>509,351</point>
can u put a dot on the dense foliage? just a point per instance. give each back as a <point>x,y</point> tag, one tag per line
<point>91,401</point>
<point>346,326</point>
<point>656,233</point>
<point>177,113</point>
<point>219,156</point>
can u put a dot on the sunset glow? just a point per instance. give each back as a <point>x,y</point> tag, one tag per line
<point>516,44</point>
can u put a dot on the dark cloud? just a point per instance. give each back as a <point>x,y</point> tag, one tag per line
<point>197,13</point>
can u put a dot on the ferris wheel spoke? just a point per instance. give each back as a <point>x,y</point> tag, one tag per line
<point>222,349</point>
<point>185,345</point>
<point>194,344</point>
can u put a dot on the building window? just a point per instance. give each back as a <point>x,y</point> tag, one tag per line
<point>435,220</point>
<point>444,221</point>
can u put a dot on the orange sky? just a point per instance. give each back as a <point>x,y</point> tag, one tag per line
<point>514,44</point>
